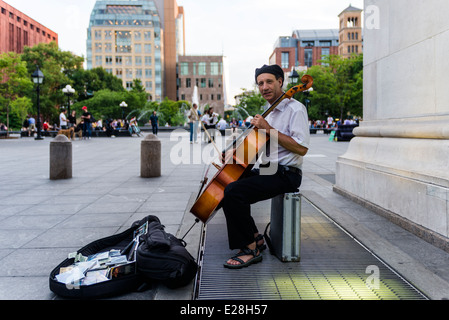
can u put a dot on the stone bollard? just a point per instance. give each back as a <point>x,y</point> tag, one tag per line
<point>60,158</point>
<point>150,157</point>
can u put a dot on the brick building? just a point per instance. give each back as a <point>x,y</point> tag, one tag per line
<point>304,48</point>
<point>207,74</point>
<point>18,30</point>
<point>351,36</point>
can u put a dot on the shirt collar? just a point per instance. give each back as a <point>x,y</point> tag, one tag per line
<point>282,105</point>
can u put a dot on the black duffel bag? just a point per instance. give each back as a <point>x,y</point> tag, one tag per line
<point>163,257</point>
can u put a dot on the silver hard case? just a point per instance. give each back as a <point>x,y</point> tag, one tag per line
<point>285,227</point>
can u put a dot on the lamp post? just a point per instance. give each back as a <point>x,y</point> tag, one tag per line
<point>307,100</point>
<point>123,105</point>
<point>294,77</point>
<point>68,91</point>
<point>38,78</point>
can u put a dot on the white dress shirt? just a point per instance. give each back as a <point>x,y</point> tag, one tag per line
<point>290,118</point>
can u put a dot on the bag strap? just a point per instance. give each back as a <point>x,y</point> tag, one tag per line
<point>268,240</point>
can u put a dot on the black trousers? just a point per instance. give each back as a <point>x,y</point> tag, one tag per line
<point>239,195</point>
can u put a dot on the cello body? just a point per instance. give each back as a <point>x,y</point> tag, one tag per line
<point>242,161</point>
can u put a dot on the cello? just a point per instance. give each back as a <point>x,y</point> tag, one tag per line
<point>241,161</point>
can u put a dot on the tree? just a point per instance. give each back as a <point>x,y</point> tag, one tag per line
<point>172,112</point>
<point>57,67</point>
<point>15,83</point>
<point>87,82</point>
<point>338,87</point>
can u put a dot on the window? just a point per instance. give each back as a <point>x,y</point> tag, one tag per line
<point>137,35</point>
<point>215,68</point>
<point>97,35</point>
<point>118,60</point>
<point>325,52</point>
<point>108,35</point>
<point>188,83</point>
<point>138,73</point>
<point>147,47</point>
<point>98,47</point>
<point>184,68</point>
<point>148,73</point>
<point>147,35</point>
<point>123,41</point>
<point>211,83</point>
<point>138,61</point>
<point>128,61</point>
<point>148,61</point>
<point>138,48</point>
<point>98,60</point>
<point>308,43</point>
<point>129,73</point>
<point>108,60</point>
<point>202,68</point>
<point>218,97</point>
<point>285,60</point>
<point>308,57</point>
<point>108,47</point>
<point>203,83</point>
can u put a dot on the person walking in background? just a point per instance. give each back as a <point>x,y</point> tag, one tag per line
<point>87,126</point>
<point>63,119</point>
<point>194,118</point>
<point>154,122</point>
<point>31,126</point>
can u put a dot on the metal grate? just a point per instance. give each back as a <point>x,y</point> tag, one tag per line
<point>333,267</point>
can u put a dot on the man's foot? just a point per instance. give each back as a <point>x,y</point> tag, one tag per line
<point>244,258</point>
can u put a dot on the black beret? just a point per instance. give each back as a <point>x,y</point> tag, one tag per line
<point>274,69</point>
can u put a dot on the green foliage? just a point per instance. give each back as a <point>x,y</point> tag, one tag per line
<point>57,66</point>
<point>252,103</point>
<point>337,88</point>
<point>15,83</point>
<point>172,112</point>
<point>87,82</point>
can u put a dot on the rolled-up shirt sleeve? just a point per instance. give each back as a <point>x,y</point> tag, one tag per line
<point>299,127</point>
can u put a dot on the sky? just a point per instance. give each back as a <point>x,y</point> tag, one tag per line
<point>244,31</point>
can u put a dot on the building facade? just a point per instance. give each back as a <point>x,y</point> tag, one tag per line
<point>208,75</point>
<point>137,40</point>
<point>350,35</point>
<point>305,48</point>
<point>18,30</point>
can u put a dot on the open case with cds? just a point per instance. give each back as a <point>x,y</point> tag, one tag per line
<point>103,268</point>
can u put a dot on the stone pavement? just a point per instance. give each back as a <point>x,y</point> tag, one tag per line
<point>41,220</point>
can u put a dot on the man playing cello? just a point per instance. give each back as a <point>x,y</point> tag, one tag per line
<point>289,123</point>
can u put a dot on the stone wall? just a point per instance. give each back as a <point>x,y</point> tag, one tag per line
<point>398,163</point>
